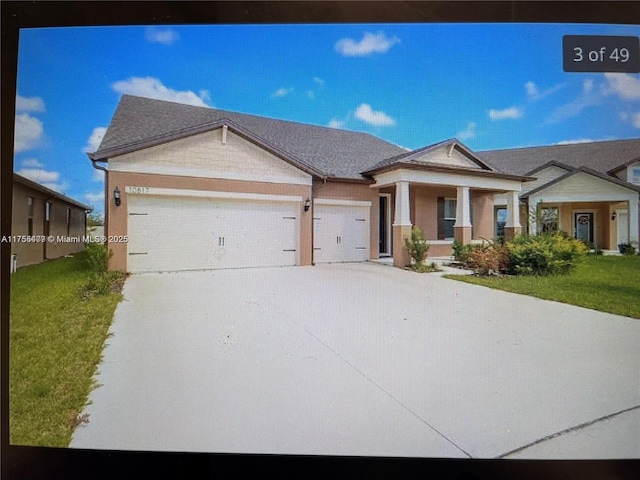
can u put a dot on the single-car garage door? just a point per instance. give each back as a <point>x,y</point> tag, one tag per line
<point>341,231</point>
<point>169,233</point>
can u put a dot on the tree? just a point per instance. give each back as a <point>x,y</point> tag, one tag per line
<point>94,219</point>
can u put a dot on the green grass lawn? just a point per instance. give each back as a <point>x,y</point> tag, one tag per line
<point>56,339</point>
<point>610,284</point>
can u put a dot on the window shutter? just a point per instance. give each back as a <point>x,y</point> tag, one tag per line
<point>441,226</point>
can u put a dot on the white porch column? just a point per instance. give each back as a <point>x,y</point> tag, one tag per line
<point>403,213</point>
<point>462,230</point>
<point>634,228</point>
<point>401,225</point>
<point>513,227</point>
<point>463,208</point>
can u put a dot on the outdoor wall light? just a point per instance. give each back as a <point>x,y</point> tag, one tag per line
<point>116,196</point>
<point>307,204</point>
<point>614,215</point>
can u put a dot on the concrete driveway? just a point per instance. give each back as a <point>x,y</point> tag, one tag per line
<point>361,359</point>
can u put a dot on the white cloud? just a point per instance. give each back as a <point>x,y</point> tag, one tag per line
<point>378,119</point>
<point>31,104</point>
<point>534,93</point>
<point>318,81</point>
<point>39,175</point>
<point>311,94</point>
<point>32,163</point>
<point>532,89</point>
<point>623,85</point>
<point>46,178</point>
<point>281,92</point>
<point>508,113</point>
<point>150,87</point>
<point>468,132</point>
<point>98,175</point>
<point>572,109</point>
<point>635,119</point>
<point>95,198</point>
<point>164,36</point>
<point>370,43</point>
<point>577,140</point>
<point>28,133</point>
<point>335,123</point>
<point>93,143</point>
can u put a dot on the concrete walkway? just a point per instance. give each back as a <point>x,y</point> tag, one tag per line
<point>361,359</point>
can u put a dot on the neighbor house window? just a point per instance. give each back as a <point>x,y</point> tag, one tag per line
<point>635,175</point>
<point>449,217</point>
<point>549,219</point>
<point>68,222</point>
<point>30,216</point>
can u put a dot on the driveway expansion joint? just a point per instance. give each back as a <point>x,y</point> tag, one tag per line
<point>568,430</point>
<point>374,383</point>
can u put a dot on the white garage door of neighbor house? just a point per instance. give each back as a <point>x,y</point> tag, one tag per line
<point>341,232</point>
<point>185,233</point>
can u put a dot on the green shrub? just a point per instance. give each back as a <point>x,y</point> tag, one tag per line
<point>100,281</point>
<point>461,251</point>
<point>544,254</point>
<point>627,249</point>
<point>417,247</point>
<point>98,257</point>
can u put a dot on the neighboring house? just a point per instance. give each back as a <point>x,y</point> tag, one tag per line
<point>39,212</point>
<point>589,190</point>
<point>201,188</point>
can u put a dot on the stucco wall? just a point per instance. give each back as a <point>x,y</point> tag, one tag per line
<point>34,252</point>
<point>424,210</point>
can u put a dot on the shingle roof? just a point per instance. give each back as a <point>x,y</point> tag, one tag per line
<point>139,122</point>
<point>599,156</point>
<point>339,153</point>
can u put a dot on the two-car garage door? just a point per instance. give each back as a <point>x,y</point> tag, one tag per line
<point>171,233</point>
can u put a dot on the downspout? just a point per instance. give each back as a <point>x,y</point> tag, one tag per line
<point>106,196</point>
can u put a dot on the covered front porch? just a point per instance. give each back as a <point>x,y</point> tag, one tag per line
<point>602,225</point>
<point>444,212</point>
<point>447,191</point>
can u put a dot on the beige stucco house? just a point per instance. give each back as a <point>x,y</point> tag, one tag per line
<point>589,190</point>
<point>199,188</point>
<point>39,212</point>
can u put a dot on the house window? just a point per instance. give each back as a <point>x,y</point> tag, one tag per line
<point>449,217</point>
<point>635,175</point>
<point>30,216</point>
<point>549,219</point>
<point>47,211</point>
<point>68,222</point>
<point>501,221</point>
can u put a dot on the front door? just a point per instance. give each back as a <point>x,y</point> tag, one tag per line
<point>384,235</point>
<point>583,222</point>
<point>623,226</point>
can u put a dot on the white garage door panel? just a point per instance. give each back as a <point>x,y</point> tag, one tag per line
<point>178,233</point>
<point>341,233</point>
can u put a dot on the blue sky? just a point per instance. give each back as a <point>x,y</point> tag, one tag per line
<point>492,86</point>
